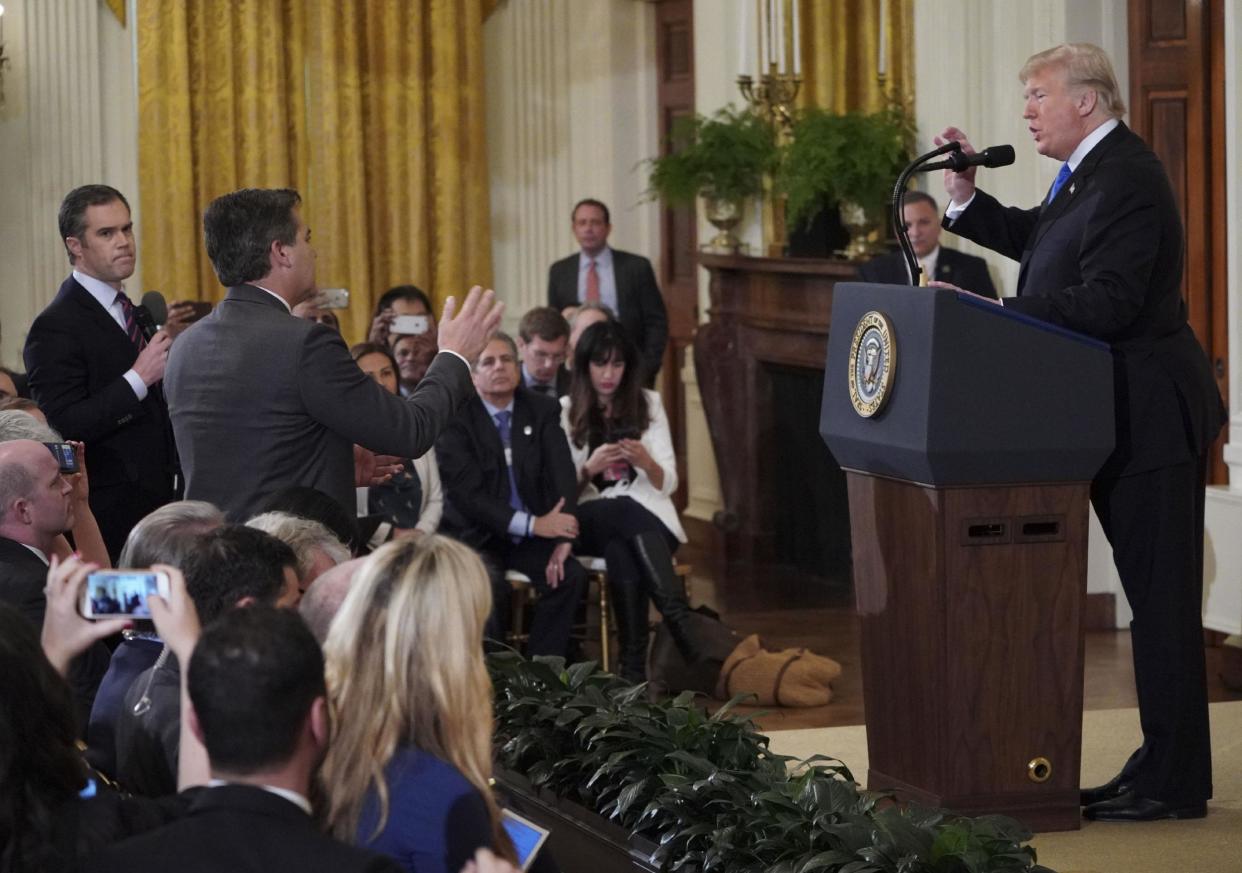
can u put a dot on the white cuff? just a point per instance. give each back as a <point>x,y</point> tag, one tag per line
<point>135,382</point>
<point>956,210</point>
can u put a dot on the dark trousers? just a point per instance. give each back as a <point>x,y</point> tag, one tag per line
<point>553,613</point>
<point>606,526</point>
<point>1154,523</point>
<point>117,508</point>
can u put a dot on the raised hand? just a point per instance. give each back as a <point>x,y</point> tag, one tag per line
<point>468,331</point>
<point>961,186</point>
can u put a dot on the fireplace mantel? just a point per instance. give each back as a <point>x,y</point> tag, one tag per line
<point>764,312</point>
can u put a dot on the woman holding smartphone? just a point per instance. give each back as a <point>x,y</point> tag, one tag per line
<point>407,770</point>
<point>620,442</point>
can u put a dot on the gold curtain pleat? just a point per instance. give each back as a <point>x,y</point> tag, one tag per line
<point>840,50</point>
<point>372,109</point>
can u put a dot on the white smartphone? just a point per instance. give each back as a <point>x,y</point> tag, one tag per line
<point>122,593</point>
<point>332,298</point>
<point>528,838</point>
<point>409,325</point>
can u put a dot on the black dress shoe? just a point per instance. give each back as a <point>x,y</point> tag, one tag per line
<point>1114,787</point>
<point>1132,807</point>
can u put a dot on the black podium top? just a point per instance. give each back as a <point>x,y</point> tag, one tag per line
<point>976,394</point>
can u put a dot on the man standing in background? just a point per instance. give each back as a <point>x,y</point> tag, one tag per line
<point>622,281</point>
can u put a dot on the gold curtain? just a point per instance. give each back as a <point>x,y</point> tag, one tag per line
<point>840,50</point>
<point>372,109</point>
<point>118,9</point>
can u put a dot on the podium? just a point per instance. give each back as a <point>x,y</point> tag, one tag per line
<point>969,435</point>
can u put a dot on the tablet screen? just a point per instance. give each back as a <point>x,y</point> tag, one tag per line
<point>527,836</point>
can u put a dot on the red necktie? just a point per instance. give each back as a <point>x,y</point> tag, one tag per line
<point>592,284</point>
<point>131,324</point>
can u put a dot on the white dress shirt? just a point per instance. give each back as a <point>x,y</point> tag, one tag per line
<point>106,296</point>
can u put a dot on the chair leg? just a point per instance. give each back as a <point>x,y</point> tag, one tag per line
<point>605,659</point>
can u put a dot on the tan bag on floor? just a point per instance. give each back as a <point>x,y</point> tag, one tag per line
<point>794,677</point>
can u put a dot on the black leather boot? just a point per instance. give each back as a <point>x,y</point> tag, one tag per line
<point>629,606</point>
<point>666,589</point>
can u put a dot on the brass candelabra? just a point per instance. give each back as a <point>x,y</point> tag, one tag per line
<point>772,98</point>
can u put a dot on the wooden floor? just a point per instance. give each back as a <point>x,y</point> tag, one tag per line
<point>790,609</point>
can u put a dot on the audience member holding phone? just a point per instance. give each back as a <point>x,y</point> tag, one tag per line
<point>622,448</point>
<point>412,501</point>
<point>411,702</point>
<point>54,808</point>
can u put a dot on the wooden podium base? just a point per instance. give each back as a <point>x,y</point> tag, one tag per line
<point>970,603</point>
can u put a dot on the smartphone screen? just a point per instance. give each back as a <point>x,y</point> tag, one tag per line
<point>333,298</point>
<point>64,455</point>
<point>121,593</point>
<point>527,836</point>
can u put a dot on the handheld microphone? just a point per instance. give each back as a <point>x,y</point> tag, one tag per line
<point>996,156</point>
<point>153,302</point>
<point>142,316</point>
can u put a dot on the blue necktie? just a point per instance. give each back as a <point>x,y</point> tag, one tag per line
<point>1064,173</point>
<point>503,419</point>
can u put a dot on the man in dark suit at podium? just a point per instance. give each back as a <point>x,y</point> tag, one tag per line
<point>1102,255</point>
<point>922,217</point>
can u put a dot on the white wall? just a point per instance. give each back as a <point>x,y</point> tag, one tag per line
<point>571,112</point>
<point>71,118</point>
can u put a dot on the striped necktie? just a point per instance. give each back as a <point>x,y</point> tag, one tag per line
<point>131,323</point>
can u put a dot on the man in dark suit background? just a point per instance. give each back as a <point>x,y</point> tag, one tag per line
<point>623,282</point>
<point>510,491</point>
<point>36,505</point>
<point>922,217</point>
<point>261,400</point>
<point>259,699</point>
<point>1103,256</point>
<point>96,376</point>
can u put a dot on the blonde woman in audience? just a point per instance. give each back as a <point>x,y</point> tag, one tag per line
<point>407,770</point>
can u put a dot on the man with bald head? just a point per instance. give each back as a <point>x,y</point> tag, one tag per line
<point>36,505</point>
<point>1102,255</point>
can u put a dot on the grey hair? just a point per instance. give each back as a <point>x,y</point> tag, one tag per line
<point>168,535</point>
<point>303,535</point>
<point>18,425</point>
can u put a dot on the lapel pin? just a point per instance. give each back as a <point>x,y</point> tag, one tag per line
<point>526,430</point>
<point>1072,187</point>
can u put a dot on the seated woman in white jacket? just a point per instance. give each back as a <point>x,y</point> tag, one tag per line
<point>620,442</point>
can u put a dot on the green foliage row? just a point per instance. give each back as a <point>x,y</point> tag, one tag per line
<point>709,793</point>
<point>854,156</point>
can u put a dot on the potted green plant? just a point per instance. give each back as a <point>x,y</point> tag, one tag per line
<point>849,161</point>
<point>722,158</point>
<point>700,792</point>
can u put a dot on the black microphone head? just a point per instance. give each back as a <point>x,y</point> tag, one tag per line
<point>155,305</point>
<point>142,317</point>
<point>998,156</point>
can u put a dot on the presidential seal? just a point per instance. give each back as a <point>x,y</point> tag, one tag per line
<point>873,359</point>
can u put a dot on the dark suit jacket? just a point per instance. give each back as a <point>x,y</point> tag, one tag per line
<point>562,381</point>
<point>261,400</point>
<point>1105,258</point>
<point>638,297</point>
<point>964,271</point>
<point>475,477</point>
<point>238,828</point>
<point>75,356</point>
<point>22,578</point>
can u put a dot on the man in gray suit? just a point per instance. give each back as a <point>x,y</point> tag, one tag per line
<point>261,400</point>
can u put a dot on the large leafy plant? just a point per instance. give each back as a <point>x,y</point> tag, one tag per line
<point>708,791</point>
<point>724,156</point>
<point>855,156</point>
